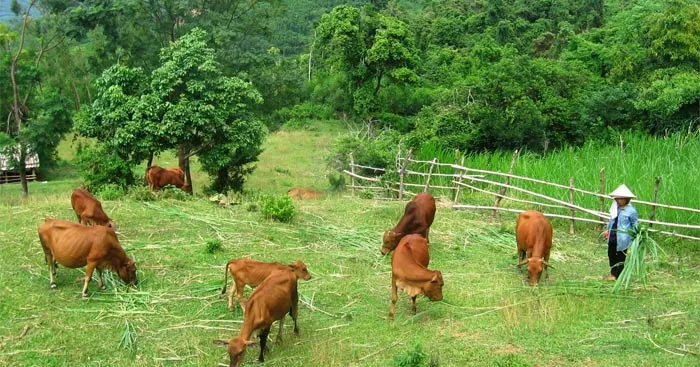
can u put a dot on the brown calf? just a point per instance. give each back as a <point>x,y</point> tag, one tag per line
<point>417,218</point>
<point>271,301</point>
<point>303,194</point>
<point>252,273</point>
<point>409,272</point>
<point>74,245</point>
<point>158,177</point>
<point>533,233</point>
<point>89,210</point>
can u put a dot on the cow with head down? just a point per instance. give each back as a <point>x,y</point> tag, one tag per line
<point>410,273</point>
<point>417,218</point>
<point>89,210</point>
<point>533,233</point>
<point>276,297</point>
<point>158,177</point>
<point>74,245</point>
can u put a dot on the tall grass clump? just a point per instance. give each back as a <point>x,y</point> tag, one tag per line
<point>641,248</point>
<point>636,162</point>
<point>110,192</point>
<point>415,357</point>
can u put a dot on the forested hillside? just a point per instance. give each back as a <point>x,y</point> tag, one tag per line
<point>470,75</point>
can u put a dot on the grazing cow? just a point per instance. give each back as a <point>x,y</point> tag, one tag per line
<point>157,177</point>
<point>271,301</point>
<point>417,218</point>
<point>533,233</point>
<point>409,272</point>
<point>74,245</point>
<point>89,210</point>
<point>304,194</point>
<point>252,273</point>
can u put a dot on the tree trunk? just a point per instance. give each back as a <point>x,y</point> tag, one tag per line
<point>23,171</point>
<point>184,163</point>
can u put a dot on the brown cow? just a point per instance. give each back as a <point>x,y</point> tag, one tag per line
<point>417,218</point>
<point>74,245</point>
<point>409,271</point>
<point>271,301</point>
<point>252,273</point>
<point>533,233</point>
<point>89,210</point>
<point>158,177</point>
<point>303,194</point>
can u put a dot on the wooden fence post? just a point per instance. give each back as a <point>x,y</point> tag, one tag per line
<point>502,191</point>
<point>430,173</point>
<point>602,192</point>
<point>571,201</point>
<point>402,172</point>
<point>352,169</point>
<point>652,216</point>
<point>457,185</point>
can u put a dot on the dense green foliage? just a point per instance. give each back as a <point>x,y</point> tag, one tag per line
<point>470,75</point>
<point>278,208</point>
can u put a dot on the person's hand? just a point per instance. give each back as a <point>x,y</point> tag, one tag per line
<point>606,234</point>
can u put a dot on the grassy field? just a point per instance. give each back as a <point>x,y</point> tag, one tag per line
<point>489,317</point>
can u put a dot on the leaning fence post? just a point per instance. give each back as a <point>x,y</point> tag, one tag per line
<point>352,177</point>
<point>602,193</point>
<point>430,173</point>
<point>502,191</point>
<point>459,181</point>
<point>571,201</point>
<point>652,216</point>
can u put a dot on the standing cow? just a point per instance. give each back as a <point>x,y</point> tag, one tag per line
<point>74,245</point>
<point>417,218</point>
<point>89,210</point>
<point>534,239</point>
<point>158,177</point>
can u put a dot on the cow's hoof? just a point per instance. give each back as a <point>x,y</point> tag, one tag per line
<point>53,286</point>
<point>230,308</point>
<point>103,287</point>
<point>85,295</point>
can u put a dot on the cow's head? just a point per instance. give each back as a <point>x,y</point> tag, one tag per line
<point>186,187</point>
<point>534,269</point>
<point>300,270</point>
<point>236,349</point>
<point>127,271</point>
<point>433,289</point>
<point>391,240</point>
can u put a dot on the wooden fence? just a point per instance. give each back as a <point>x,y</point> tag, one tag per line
<point>460,178</point>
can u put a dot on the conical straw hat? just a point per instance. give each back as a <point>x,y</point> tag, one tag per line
<point>622,192</point>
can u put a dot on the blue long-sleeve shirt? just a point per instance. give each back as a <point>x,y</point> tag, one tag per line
<point>627,220</point>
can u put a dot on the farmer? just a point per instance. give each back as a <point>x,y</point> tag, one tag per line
<point>623,220</point>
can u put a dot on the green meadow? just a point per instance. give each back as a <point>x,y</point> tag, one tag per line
<point>489,316</point>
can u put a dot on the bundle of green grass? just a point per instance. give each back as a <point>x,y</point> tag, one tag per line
<point>641,248</point>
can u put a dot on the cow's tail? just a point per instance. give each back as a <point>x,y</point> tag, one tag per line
<point>223,290</point>
<point>145,176</point>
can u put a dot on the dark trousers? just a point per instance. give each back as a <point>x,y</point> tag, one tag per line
<point>616,259</point>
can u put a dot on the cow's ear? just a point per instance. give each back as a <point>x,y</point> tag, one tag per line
<point>434,279</point>
<point>221,342</point>
<point>248,342</point>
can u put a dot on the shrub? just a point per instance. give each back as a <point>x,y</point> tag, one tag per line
<point>172,192</point>
<point>214,246</point>
<point>337,181</point>
<point>100,166</point>
<point>141,193</point>
<point>110,192</point>
<point>299,116</point>
<point>412,358</point>
<point>281,208</point>
<point>367,194</point>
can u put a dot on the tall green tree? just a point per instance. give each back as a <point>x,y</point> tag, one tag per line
<point>187,104</point>
<point>372,49</point>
